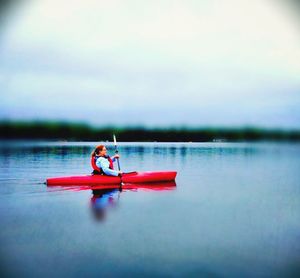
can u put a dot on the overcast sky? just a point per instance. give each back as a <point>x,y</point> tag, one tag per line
<point>154,63</point>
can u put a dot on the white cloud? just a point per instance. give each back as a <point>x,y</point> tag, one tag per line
<point>152,54</point>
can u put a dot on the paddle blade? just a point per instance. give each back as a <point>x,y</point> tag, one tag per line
<point>115,140</point>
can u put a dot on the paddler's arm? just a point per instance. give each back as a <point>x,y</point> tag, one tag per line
<point>104,165</point>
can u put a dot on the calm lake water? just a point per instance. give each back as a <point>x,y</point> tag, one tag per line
<point>234,212</point>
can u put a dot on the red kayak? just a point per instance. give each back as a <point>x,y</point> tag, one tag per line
<point>134,177</point>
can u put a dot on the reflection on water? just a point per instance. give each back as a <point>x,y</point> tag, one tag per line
<point>107,196</point>
<point>102,199</point>
<point>235,212</point>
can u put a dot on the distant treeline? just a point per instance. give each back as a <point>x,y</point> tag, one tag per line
<point>83,132</point>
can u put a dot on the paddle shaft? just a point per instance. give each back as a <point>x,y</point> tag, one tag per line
<point>119,168</point>
<point>116,152</point>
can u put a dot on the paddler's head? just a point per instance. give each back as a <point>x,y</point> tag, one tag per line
<point>100,150</point>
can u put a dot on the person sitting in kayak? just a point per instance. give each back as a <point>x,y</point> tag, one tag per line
<point>102,163</point>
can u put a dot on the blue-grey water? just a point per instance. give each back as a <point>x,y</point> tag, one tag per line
<point>235,212</point>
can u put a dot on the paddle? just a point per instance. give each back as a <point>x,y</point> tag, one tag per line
<point>116,152</point>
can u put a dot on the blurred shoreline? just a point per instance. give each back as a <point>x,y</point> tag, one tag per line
<point>83,132</point>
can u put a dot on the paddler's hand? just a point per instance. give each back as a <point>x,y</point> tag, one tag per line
<point>120,173</point>
<point>116,156</point>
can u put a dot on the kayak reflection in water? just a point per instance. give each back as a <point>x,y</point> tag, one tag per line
<point>101,200</point>
<point>104,199</point>
<point>102,163</point>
